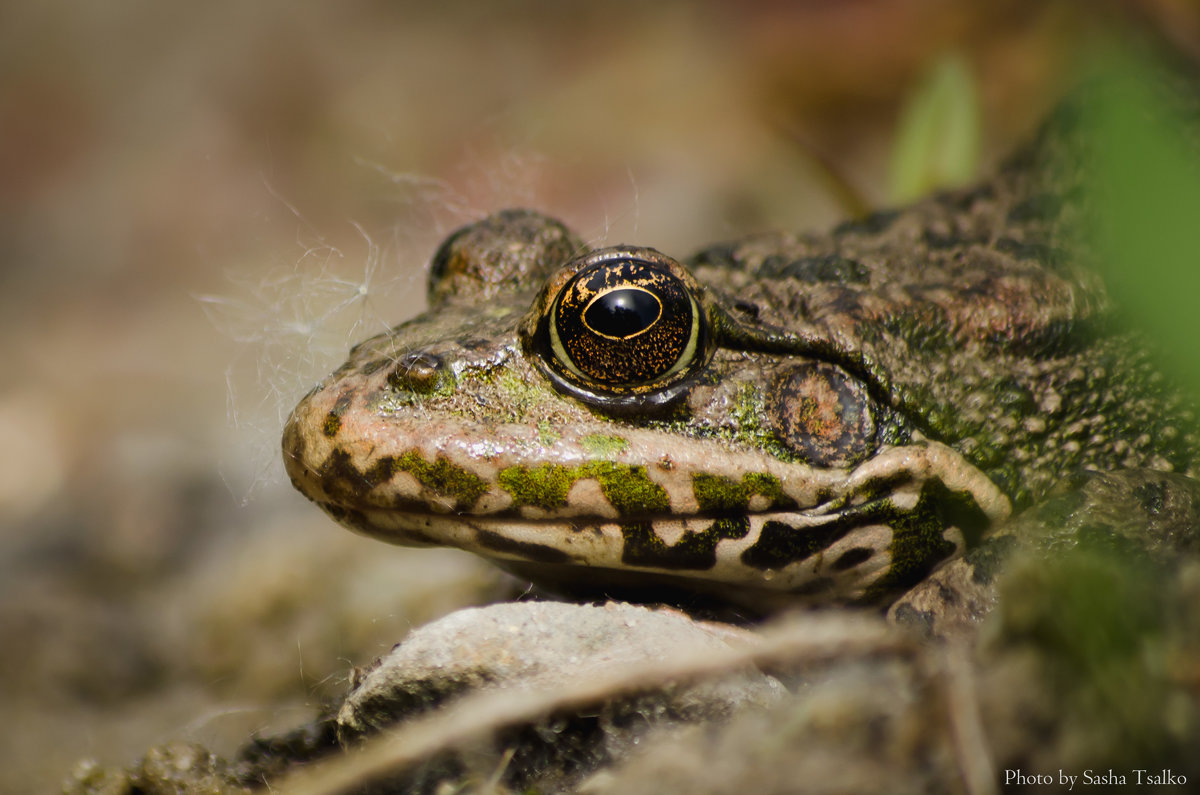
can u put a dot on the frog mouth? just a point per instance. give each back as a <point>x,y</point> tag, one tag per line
<point>746,523</point>
<point>863,552</point>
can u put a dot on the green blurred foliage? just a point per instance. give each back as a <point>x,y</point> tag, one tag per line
<point>1097,615</point>
<point>1145,189</point>
<point>937,143</point>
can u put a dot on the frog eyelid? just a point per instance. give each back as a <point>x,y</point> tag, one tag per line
<point>736,335</point>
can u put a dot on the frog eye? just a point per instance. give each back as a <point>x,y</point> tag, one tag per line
<point>623,321</point>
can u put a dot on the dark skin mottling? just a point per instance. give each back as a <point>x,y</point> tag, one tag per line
<point>979,318</point>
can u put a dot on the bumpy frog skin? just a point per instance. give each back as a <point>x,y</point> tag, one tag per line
<point>821,418</point>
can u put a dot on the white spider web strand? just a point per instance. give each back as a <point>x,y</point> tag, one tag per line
<point>294,323</point>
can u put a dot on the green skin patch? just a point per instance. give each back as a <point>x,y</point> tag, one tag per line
<point>601,446</point>
<point>442,478</point>
<point>332,424</point>
<point>750,419</point>
<point>628,488</point>
<point>333,420</point>
<point>544,486</point>
<point>546,434</point>
<point>696,550</point>
<point>918,536</point>
<point>520,398</point>
<point>716,494</point>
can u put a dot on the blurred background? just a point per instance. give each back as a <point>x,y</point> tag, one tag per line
<point>202,206</point>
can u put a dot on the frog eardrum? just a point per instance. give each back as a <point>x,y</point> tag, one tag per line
<point>620,326</point>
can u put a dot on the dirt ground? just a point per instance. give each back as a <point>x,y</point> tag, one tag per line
<point>203,206</point>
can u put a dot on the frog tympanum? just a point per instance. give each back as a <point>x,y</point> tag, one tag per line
<point>779,419</point>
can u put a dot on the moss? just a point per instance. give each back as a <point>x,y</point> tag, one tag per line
<point>922,331</point>
<point>918,544</point>
<point>442,477</point>
<point>750,425</point>
<point>446,385</point>
<point>602,446</point>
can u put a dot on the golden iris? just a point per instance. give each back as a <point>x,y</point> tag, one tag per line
<point>624,324</point>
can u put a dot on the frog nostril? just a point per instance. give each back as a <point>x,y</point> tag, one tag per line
<point>417,372</point>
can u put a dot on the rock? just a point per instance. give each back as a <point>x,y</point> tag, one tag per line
<point>525,651</point>
<point>858,725</point>
<point>544,646</point>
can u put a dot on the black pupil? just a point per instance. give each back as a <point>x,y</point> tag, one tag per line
<point>622,313</point>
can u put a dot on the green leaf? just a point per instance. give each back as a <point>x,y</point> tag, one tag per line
<point>1146,193</point>
<point>937,143</point>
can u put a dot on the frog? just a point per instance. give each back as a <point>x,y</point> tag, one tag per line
<point>781,419</point>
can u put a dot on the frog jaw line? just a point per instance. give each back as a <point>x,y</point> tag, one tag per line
<point>871,531</point>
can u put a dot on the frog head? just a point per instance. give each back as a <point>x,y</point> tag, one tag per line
<point>603,422</point>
